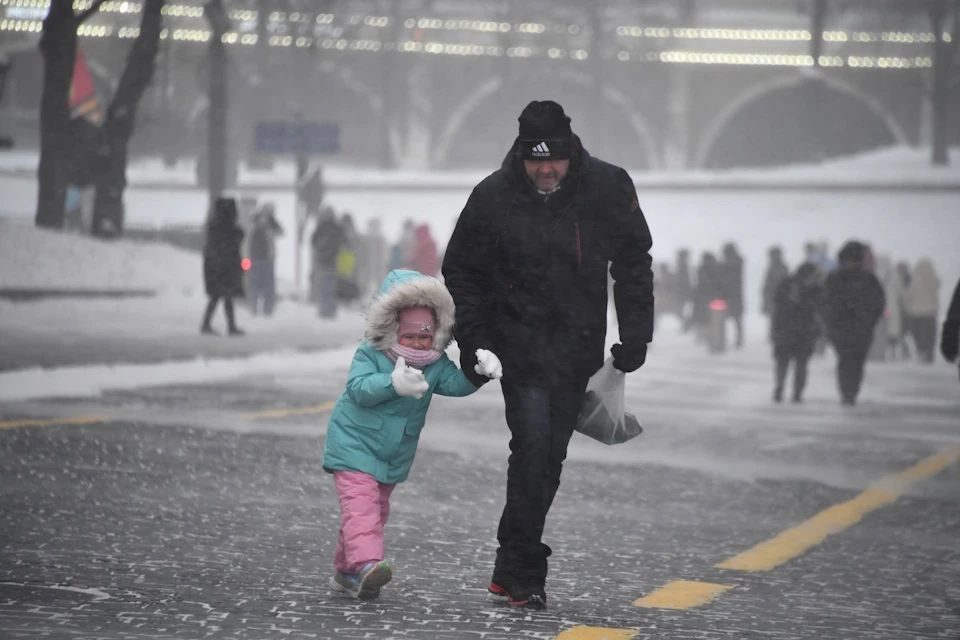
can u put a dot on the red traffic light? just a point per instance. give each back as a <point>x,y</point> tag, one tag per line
<point>718,305</point>
<point>245,264</point>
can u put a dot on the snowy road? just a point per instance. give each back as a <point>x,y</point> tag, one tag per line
<point>199,509</point>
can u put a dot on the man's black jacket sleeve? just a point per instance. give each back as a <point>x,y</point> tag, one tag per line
<point>467,272</point>
<point>632,275</point>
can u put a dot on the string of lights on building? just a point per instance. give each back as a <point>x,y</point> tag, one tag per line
<point>26,16</point>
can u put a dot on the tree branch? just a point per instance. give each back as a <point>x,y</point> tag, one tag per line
<point>83,17</point>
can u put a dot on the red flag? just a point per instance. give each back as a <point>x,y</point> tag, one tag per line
<point>83,96</point>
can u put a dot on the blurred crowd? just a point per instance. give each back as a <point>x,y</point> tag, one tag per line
<point>907,329</point>
<point>347,265</point>
<point>716,285</point>
<point>864,305</point>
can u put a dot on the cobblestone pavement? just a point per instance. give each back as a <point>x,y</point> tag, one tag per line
<point>183,517</point>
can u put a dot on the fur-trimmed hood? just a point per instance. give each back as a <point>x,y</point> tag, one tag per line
<point>402,289</point>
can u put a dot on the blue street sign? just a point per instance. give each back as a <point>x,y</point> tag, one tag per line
<point>309,138</point>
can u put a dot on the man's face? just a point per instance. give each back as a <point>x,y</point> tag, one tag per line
<point>546,174</point>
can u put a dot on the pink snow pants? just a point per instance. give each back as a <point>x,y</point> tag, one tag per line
<point>364,507</point>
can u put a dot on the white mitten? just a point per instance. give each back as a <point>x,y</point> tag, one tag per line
<point>408,381</point>
<point>488,364</point>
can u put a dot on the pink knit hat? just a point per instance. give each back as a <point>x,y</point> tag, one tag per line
<point>418,321</point>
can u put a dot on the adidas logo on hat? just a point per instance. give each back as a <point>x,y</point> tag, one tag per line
<point>540,151</point>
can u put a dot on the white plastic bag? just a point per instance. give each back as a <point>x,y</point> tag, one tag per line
<point>603,416</point>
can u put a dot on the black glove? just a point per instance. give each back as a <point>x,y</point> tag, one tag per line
<point>628,359</point>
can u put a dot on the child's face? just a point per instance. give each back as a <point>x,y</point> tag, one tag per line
<point>416,341</point>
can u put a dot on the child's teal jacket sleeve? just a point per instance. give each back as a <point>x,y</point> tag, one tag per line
<point>452,381</point>
<point>365,385</point>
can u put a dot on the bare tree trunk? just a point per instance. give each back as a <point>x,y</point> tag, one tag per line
<point>817,21</point>
<point>939,93</point>
<point>111,179</point>
<point>58,45</point>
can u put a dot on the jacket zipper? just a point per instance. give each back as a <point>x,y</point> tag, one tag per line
<point>576,226</point>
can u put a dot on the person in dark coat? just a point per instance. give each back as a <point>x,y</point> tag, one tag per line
<point>527,266</point>
<point>262,251</point>
<point>426,260</point>
<point>777,272</point>
<point>328,240</point>
<point>950,335</point>
<point>795,327</point>
<point>684,288</point>
<point>854,304</point>
<point>731,270</point>
<point>222,271</point>
<point>709,288</point>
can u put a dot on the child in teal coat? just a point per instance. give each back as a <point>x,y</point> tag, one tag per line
<point>375,426</point>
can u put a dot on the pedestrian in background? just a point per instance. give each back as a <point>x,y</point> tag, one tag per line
<point>375,426</point>
<point>777,272</point>
<point>404,251</point>
<point>709,288</point>
<point>262,251</point>
<point>372,258</point>
<point>326,241</point>
<point>853,305</point>
<point>425,258</point>
<point>795,327</point>
<point>222,271</point>
<point>684,288</point>
<point>906,278</point>
<point>664,289</point>
<point>348,288</point>
<point>893,320</point>
<point>922,302</point>
<point>731,282</point>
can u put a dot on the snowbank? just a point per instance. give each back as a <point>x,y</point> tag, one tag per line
<point>903,166</point>
<point>906,224</point>
<point>36,258</point>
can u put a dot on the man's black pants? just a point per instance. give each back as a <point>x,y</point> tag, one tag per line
<point>541,422</point>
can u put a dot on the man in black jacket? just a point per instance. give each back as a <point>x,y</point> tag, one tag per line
<point>854,304</point>
<point>527,267</point>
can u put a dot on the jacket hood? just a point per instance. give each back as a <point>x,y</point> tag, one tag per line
<point>402,289</point>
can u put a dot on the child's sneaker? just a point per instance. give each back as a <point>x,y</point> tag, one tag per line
<point>364,585</point>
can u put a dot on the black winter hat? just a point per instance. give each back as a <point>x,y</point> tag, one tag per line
<point>545,132</point>
<point>852,253</point>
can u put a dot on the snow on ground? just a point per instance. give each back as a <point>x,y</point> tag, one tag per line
<point>38,258</point>
<point>687,399</point>
<point>90,381</point>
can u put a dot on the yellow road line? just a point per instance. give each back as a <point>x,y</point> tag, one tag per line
<point>682,594</point>
<point>597,633</point>
<point>48,422</point>
<point>298,411</point>
<point>794,542</point>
